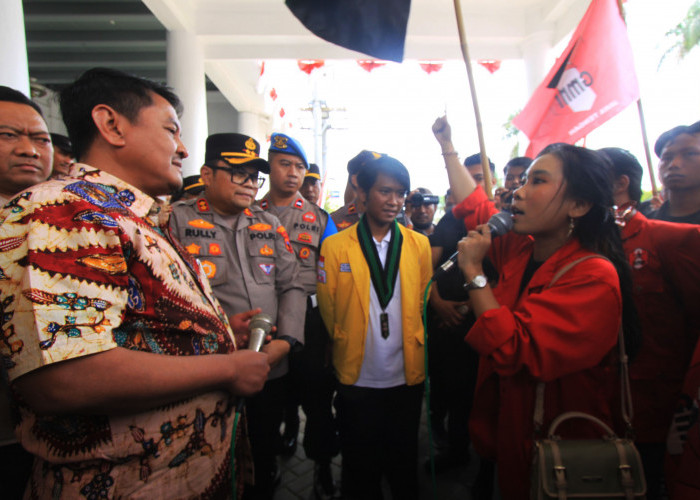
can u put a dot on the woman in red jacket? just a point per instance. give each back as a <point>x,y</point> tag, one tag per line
<point>528,332</point>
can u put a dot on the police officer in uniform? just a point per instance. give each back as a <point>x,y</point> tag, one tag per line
<point>308,226</point>
<point>311,188</point>
<point>250,264</point>
<point>350,213</point>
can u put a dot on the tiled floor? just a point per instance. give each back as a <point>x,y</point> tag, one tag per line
<point>297,475</point>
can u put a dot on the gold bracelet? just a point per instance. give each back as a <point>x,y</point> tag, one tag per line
<point>449,153</point>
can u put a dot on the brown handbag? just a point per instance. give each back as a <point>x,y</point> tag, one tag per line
<point>605,468</point>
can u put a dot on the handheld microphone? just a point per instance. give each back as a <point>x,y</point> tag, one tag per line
<point>260,325</point>
<point>499,224</point>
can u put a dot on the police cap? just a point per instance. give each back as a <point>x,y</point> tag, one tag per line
<point>236,150</point>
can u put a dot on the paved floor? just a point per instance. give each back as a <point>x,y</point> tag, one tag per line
<point>297,475</point>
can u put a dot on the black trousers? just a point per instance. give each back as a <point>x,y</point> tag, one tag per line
<point>453,367</point>
<point>264,412</point>
<point>379,437</point>
<point>312,375</point>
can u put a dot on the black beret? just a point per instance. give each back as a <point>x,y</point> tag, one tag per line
<point>359,161</point>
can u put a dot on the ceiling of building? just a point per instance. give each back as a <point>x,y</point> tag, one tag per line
<point>66,37</point>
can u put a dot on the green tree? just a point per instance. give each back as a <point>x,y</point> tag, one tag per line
<point>685,36</point>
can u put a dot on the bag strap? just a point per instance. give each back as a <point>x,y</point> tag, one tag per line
<point>626,393</point>
<point>626,479</point>
<point>559,471</point>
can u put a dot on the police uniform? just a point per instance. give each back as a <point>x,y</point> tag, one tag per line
<point>307,225</point>
<point>311,373</point>
<point>250,264</point>
<point>346,216</point>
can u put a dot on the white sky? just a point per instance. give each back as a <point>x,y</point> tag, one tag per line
<point>391,109</point>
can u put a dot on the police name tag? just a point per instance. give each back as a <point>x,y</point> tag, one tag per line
<point>345,267</point>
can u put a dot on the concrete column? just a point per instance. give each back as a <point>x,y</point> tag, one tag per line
<point>535,50</point>
<point>13,56</point>
<point>186,77</point>
<point>252,124</point>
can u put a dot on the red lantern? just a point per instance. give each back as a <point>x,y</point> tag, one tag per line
<point>430,66</point>
<point>262,68</point>
<point>282,113</point>
<point>491,65</point>
<point>308,65</point>
<point>273,94</point>
<point>369,64</point>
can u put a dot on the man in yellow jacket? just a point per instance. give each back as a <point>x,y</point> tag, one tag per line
<point>371,283</point>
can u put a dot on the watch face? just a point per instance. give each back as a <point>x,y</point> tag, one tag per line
<point>479,281</point>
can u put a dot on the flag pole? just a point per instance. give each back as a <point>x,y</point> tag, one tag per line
<point>642,122</point>
<point>647,152</point>
<point>472,88</point>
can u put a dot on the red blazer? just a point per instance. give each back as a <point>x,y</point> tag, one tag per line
<point>665,261</point>
<point>563,335</point>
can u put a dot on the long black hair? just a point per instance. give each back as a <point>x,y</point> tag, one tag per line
<point>589,178</point>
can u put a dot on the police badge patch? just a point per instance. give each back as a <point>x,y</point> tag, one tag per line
<point>266,268</point>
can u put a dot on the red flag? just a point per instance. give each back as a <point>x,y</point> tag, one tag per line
<point>591,82</point>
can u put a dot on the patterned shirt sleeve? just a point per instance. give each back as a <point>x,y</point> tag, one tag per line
<point>64,282</point>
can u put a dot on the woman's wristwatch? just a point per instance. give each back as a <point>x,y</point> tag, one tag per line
<point>479,281</point>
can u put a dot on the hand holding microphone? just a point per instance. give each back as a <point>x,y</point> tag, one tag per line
<point>260,326</point>
<point>499,224</point>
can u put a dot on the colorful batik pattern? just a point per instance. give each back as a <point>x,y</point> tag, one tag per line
<point>87,264</point>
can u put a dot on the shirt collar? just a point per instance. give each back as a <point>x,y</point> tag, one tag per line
<point>155,211</point>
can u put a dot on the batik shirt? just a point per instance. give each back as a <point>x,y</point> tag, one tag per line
<point>86,265</point>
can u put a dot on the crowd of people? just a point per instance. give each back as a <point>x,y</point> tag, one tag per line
<point>128,294</point>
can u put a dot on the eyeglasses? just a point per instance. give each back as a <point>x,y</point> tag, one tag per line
<point>240,176</point>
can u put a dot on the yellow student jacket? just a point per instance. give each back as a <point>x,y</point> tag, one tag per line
<point>343,296</point>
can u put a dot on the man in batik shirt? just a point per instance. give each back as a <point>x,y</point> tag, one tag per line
<point>122,363</point>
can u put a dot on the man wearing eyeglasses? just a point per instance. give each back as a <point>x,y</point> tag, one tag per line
<point>250,264</point>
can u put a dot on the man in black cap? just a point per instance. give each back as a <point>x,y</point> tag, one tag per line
<point>250,264</point>
<point>311,188</point>
<point>63,157</point>
<point>421,205</point>
<point>679,169</point>
<point>192,187</point>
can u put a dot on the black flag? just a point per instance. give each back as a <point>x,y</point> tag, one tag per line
<point>374,27</point>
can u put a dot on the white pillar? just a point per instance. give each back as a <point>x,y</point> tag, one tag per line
<point>535,50</point>
<point>250,123</point>
<point>186,77</point>
<point>13,55</point>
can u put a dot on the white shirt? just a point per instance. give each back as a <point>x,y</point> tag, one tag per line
<point>383,362</point>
